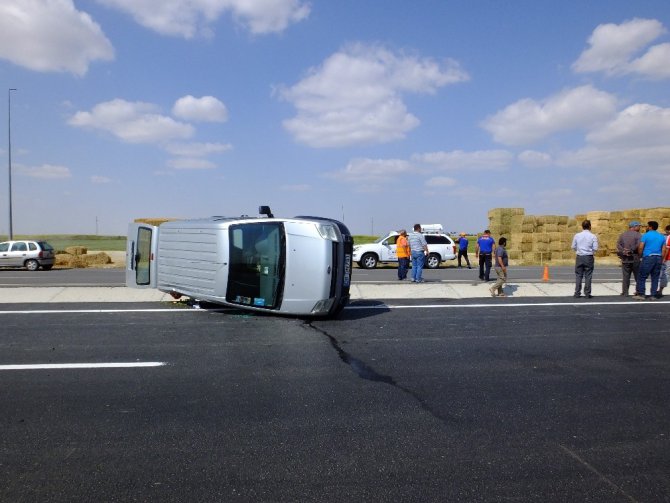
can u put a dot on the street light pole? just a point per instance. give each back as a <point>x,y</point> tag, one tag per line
<point>9,150</point>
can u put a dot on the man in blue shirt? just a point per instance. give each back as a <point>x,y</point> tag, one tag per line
<point>484,252</point>
<point>463,249</point>
<point>652,249</point>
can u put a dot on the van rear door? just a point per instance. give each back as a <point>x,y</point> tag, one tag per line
<point>141,247</point>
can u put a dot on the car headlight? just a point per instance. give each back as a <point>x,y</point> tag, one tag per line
<point>328,231</point>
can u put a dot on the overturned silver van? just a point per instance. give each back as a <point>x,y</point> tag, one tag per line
<point>296,266</point>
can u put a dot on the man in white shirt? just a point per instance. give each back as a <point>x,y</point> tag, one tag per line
<point>585,244</point>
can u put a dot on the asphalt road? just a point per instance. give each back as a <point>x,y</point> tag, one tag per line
<point>116,277</point>
<point>465,402</point>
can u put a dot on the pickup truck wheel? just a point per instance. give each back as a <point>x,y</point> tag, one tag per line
<point>368,261</point>
<point>433,261</point>
<point>32,265</point>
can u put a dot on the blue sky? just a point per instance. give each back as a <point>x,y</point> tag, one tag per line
<point>381,113</point>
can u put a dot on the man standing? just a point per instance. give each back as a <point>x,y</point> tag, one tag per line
<point>463,250</point>
<point>402,252</point>
<point>501,263</point>
<point>585,244</point>
<point>626,249</point>
<point>419,250</point>
<point>484,251</point>
<point>652,249</point>
<point>665,266</point>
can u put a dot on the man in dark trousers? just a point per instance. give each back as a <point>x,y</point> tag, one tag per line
<point>626,249</point>
<point>484,252</point>
<point>463,249</point>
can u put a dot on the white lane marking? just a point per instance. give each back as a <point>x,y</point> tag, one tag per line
<point>71,311</point>
<point>504,304</point>
<point>43,366</point>
<point>499,303</point>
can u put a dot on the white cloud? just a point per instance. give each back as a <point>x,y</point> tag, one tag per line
<point>355,96</point>
<point>635,140</point>
<point>51,36</point>
<point>45,171</point>
<point>535,159</point>
<point>655,63</point>
<point>528,121</point>
<point>205,109</point>
<point>197,149</point>
<point>300,187</point>
<point>99,180</point>
<point>374,171</point>
<point>612,47</point>
<point>132,122</point>
<point>460,160</point>
<point>638,125</point>
<point>191,163</point>
<point>441,181</point>
<point>188,18</point>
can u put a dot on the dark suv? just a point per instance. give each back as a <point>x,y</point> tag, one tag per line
<point>27,253</point>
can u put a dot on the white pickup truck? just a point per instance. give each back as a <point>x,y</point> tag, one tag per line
<point>441,247</point>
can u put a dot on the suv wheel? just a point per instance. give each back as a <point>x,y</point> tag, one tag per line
<point>368,261</point>
<point>433,261</point>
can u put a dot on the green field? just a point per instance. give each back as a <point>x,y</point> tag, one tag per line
<point>89,241</point>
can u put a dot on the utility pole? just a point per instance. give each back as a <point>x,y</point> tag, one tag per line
<point>9,150</point>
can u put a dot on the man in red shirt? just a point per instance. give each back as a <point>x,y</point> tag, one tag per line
<point>665,265</point>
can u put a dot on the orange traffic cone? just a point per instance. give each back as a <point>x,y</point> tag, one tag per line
<point>545,276</point>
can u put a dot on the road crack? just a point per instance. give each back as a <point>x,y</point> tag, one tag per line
<point>367,372</point>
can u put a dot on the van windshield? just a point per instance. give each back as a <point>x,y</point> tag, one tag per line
<point>256,264</point>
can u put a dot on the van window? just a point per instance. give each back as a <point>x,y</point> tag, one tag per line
<point>391,240</point>
<point>32,246</point>
<point>4,247</point>
<point>143,256</point>
<point>437,240</point>
<point>19,247</point>
<point>256,264</point>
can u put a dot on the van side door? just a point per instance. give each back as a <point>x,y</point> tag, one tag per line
<point>141,247</point>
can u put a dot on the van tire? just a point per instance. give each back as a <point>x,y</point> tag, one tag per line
<point>368,261</point>
<point>433,261</point>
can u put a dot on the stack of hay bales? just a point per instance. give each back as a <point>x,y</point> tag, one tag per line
<point>548,238</point>
<point>77,257</point>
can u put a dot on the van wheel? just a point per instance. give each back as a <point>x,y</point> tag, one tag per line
<point>368,261</point>
<point>32,265</point>
<point>433,261</point>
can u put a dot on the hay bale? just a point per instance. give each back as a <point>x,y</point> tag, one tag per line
<point>557,246</point>
<point>598,215</point>
<point>71,261</point>
<point>76,250</point>
<point>153,221</point>
<point>100,258</point>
